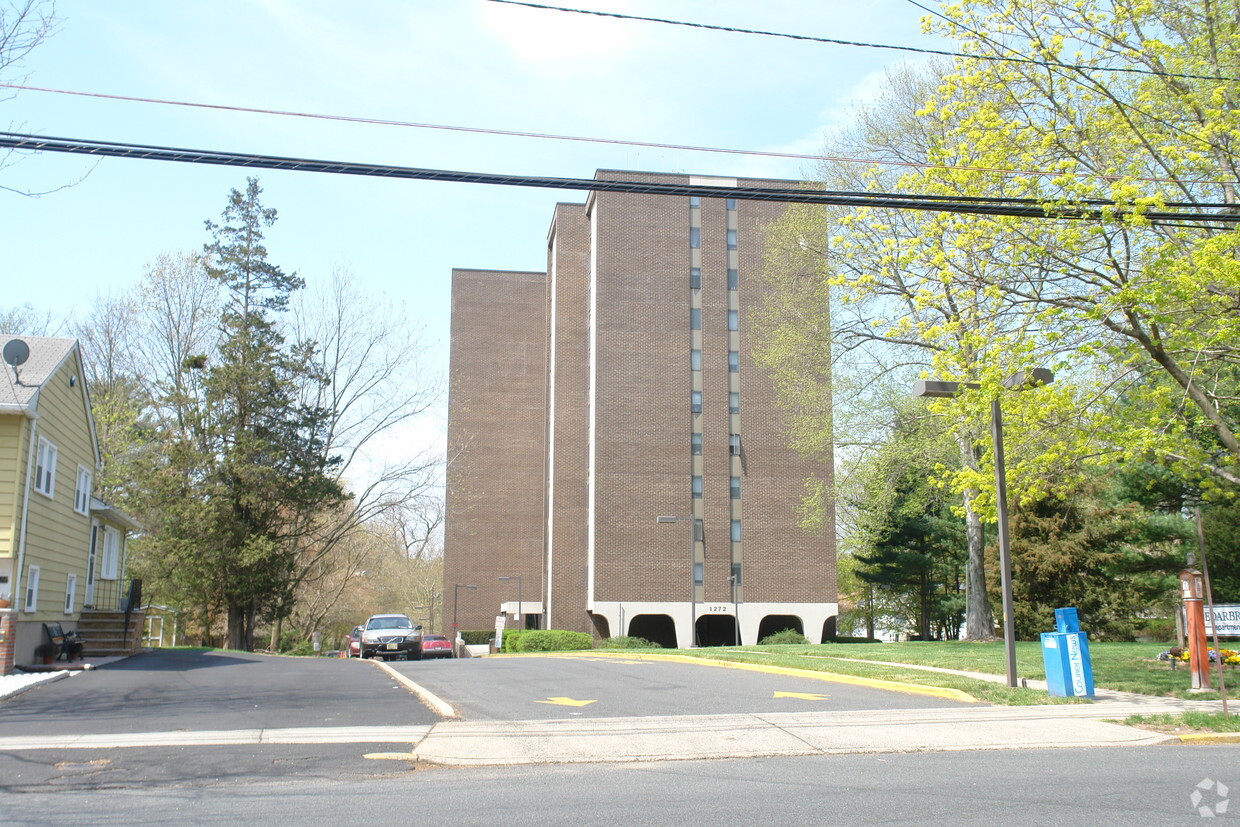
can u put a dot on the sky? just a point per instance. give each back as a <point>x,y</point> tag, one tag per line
<point>469,63</point>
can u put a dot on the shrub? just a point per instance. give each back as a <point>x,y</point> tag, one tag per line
<point>627,642</point>
<point>784,637</point>
<point>546,640</point>
<point>290,641</point>
<point>854,640</point>
<point>477,637</point>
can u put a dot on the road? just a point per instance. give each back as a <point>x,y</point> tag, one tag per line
<point>313,780</point>
<point>1125,787</point>
<point>542,688</point>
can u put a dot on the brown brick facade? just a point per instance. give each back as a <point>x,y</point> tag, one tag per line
<point>496,443</point>
<point>613,396</point>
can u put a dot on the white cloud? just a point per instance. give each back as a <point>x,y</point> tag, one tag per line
<point>549,38</point>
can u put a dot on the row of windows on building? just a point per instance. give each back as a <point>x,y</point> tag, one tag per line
<point>45,477</point>
<point>695,360</point>
<point>734,401</point>
<point>695,319</point>
<point>695,278</point>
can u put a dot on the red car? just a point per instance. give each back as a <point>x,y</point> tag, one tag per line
<point>355,642</point>
<point>436,646</point>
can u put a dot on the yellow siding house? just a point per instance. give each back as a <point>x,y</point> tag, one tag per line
<point>61,550</point>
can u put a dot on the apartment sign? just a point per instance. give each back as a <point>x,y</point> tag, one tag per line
<point>1227,618</point>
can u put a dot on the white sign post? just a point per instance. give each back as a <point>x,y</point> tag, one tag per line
<point>500,622</point>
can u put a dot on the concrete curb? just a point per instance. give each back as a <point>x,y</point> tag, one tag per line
<point>1209,738</point>
<point>436,704</point>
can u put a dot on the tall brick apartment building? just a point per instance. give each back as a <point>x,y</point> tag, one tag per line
<point>615,389</point>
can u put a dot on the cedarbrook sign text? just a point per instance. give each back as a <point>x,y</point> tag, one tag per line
<point>1228,618</point>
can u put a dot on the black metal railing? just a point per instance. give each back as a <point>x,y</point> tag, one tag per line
<point>117,595</point>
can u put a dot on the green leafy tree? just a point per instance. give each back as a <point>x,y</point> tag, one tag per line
<point>910,542</point>
<point>1115,562</point>
<point>269,460</point>
<point>244,456</point>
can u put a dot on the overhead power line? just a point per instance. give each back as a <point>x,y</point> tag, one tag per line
<point>861,44</point>
<point>510,133</point>
<point>1015,207</point>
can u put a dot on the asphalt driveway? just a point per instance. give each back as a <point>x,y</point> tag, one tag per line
<point>185,690</point>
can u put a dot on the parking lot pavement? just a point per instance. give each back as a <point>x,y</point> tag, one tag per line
<point>190,690</point>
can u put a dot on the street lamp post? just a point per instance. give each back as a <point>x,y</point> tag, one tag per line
<point>736,608</point>
<point>518,579</point>
<point>456,593</point>
<point>1017,381</point>
<point>692,572</point>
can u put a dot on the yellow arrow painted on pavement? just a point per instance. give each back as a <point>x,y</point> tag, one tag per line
<point>565,702</point>
<point>805,696</point>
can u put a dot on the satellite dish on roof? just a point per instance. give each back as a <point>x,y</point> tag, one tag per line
<point>16,352</point>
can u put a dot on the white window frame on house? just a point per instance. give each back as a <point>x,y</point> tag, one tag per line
<point>45,469</point>
<point>81,494</point>
<point>32,589</point>
<point>110,567</point>
<point>70,593</point>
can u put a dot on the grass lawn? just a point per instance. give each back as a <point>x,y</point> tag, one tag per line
<point>1125,667</point>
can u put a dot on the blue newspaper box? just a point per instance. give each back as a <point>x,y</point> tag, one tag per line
<point>1065,655</point>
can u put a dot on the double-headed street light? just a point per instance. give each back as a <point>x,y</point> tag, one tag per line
<point>518,579</point>
<point>1020,380</point>
<point>692,572</point>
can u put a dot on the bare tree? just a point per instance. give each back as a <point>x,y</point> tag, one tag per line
<point>369,362</point>
<point>26,320</point>
<point>24,25</point>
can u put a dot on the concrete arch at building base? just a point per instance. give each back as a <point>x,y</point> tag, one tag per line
<point>668,624</point>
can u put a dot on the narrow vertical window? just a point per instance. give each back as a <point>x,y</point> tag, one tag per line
<point>698,574</point>
<point>81,494</point>
<point>111,566</point>
<point>697,485</point>
<point>695,201</point>
<point>731,239</point>
<point>734,279</point>
<point>695,238</point>
<point>734,444</point>
<point>736,574</point>
<point>734,320</point>
<point>734,402</point>
<point>695,359</point>
<point>70,592</point>
<point>32,589</point>
<point>731,203</point>
<point>734,361</point>
<point>695,401</point>
<point>695,445</point>
<point>736,531</point>
<point>734,488</point>
<point>695,318</point>
<point>695,278</point>
<point>45,469</point>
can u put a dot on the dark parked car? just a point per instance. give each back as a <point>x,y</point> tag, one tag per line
<point>436,646</point>
<point>391,636</point>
